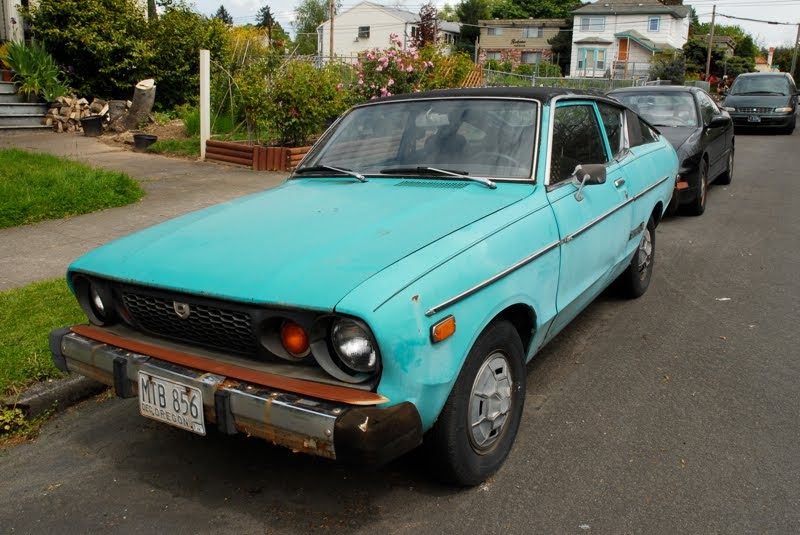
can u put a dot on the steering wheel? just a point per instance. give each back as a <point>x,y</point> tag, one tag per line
<point>496,155</point>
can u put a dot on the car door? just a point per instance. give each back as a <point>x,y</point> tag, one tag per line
<point>594,227</point>
<point>715,138</point>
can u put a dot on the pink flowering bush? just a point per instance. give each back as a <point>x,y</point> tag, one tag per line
<point>390,71</point>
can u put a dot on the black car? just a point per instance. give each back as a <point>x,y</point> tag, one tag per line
<point>701,133</point>
<point>765,100</point>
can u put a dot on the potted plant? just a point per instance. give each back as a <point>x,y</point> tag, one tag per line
<point>36,72</point>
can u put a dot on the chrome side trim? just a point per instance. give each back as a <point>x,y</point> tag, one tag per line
<point>492,279</point>
<point>540,252</point>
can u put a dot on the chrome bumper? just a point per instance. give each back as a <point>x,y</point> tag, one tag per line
<point>367,435</point>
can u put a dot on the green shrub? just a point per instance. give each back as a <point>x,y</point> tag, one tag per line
<point>103,45</point>
<point>36,72</point>
<point>176,40</point>
<point>300,99</point>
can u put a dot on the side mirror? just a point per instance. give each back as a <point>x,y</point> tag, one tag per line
<point>588,174</point>
<point>719,120</point>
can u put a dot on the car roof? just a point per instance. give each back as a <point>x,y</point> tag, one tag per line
<point>543,94</point>
<point>655,89</point>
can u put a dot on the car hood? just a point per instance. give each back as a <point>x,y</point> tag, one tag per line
<point>306,243</point>
<point>677,135</point>
<point>756,101</point>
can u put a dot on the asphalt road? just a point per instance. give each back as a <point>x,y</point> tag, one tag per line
<point>675,413</point>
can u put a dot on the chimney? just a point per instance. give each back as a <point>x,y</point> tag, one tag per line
<point>769,57</point>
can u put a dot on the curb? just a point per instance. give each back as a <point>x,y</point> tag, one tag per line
<point>55,394</point>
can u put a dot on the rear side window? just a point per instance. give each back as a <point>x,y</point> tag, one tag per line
<point>613,121</point>
<point>639,132</point>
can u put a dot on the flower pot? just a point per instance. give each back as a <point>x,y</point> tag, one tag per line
<point>142,141</point>
<point>8,76</point>
<point>92,126</point>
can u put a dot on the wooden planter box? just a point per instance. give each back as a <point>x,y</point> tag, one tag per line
<point>255,156</point>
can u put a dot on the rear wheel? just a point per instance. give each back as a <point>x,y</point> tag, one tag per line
<point>479,421</point>
<point>698,204</point>
<point>726,177</point>
<point>635,280</point>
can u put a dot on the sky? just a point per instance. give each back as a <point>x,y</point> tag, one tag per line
<point>244,11</point>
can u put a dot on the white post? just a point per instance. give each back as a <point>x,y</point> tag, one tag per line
<point>205,101</point>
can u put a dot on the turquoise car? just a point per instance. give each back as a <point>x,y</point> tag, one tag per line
<point>391,291</point>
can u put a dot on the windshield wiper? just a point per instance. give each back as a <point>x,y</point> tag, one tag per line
<point>422,170</point>
<point>315,168</point>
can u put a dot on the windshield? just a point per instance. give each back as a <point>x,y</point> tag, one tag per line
<point>475,137</point>
<point>662,109</point>
<point>760,85</point>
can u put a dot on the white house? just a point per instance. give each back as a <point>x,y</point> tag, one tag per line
<point>618,38</point>
<point>368,25</point>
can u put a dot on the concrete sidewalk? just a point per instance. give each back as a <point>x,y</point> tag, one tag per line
<point>172,187</point>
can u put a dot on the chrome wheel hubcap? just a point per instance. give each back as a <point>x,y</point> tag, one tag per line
<point>490,402</point>
<point>644,255</point>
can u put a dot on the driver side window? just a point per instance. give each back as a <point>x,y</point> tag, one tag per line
<point>577,139</point>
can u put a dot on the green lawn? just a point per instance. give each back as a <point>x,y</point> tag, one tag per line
<point>36,187</point>
<point>177,147</point>
<point>27,315</point>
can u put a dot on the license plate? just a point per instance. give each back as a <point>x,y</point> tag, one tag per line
<point>171,402</point>
<point>754,119</point>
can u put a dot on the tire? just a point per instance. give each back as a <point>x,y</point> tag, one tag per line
<point>636,277</point>
<point>464,446</point>
<point>726,177</point>
<point>698,204</point>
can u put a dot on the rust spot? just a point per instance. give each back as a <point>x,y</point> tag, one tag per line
<point>415,299</point>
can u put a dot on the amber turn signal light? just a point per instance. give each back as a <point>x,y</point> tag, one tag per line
<point>444,329</point>
<point>294,338</point>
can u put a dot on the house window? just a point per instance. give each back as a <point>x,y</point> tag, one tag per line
<point>414,32</point>
<point>592,59</point>
<point>531,57</point>
<point>494,31</point>
<point>363,32</point>
<point>534,31</point>
<point>593,24</point>
<point>494,55</point>
<point>653,24</point>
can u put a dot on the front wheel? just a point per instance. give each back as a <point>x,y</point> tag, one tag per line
<point>636,278</point>
<point>726,177</point>
<point>478,424</point>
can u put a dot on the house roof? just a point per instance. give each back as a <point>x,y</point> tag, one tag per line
<point>649,44</point>
<point>523,23</point>
<point>594,40</point>
<point>632,7</point>
<point>401,15</point>
<point>760,61</point>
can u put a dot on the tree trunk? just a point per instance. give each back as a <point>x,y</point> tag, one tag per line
<point>144,96</point>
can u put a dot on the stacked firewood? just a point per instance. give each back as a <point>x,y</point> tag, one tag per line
<point>65,113</point>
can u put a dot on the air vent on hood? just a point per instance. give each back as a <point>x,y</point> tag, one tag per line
<point>439,184</point>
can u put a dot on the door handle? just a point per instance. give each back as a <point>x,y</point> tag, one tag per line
<point>619,182</point>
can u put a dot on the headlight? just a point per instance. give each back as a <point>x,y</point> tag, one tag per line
<point>787,109</point>
<point>728,108</point>
<point>96,300</point>
<point>354,346</point>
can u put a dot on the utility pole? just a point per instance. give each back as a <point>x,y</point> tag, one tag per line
<point>333,12</point>
<point>794,56</point>
<point>710,41</point>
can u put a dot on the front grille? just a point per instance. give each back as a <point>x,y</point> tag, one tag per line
<point>206,325</point>
<point>754,110</point>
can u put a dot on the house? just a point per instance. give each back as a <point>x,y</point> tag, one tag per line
<point>11,23</point>
<point>618,38</point>
<point>765,64</point>
<point>519,41</point>
<point>368,25</point>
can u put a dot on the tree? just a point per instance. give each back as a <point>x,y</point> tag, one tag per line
<point>448,13</point>
<point>427,28</point>
<point>668,66</point>
<point>152,13</point>
<point>469,12</point>
<point>307,16</point>
<point>561,44</point>
<point>223,15</point>
<point>264,19</point>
